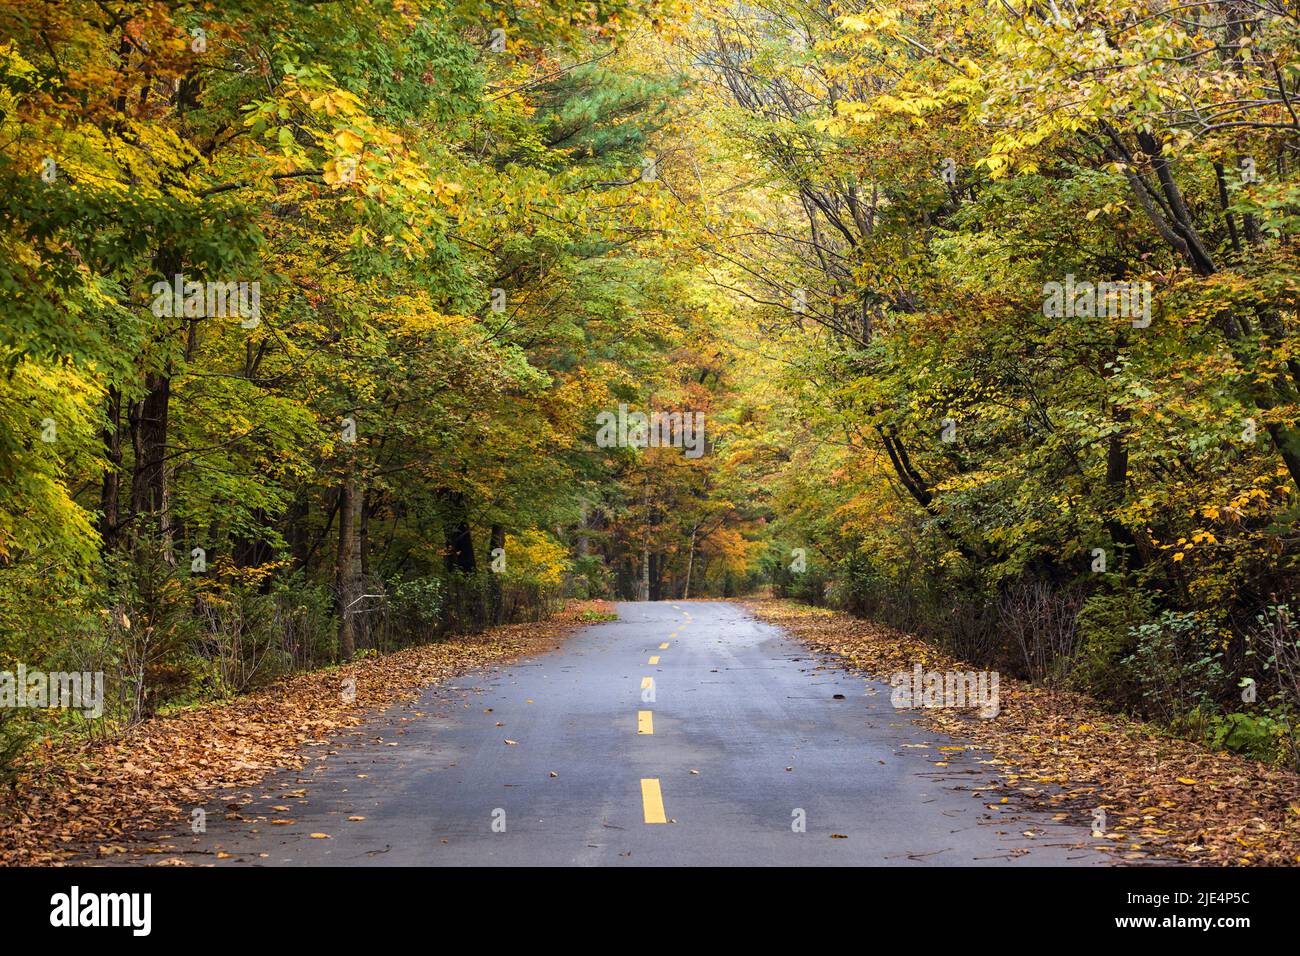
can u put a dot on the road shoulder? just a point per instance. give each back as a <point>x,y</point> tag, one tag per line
<point>80,800</point>
<point>1163,797</point>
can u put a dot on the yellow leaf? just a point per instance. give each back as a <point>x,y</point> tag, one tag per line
<point>348,141</point>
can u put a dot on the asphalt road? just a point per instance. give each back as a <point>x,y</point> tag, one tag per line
<point>680,734</point>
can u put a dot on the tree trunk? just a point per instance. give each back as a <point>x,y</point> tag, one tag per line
<point>643,588</point>
<point>497,539</point>
<point>149,492</point>
<point>345,566</point>
<point>690,564</point>
<point>460,538</point>
<point>110,498</point>
<point>584,541</point>
<point>296,533</point>
<point>364,504</point>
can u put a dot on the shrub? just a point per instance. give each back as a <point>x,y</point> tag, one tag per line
<point>1106,637</point>
<point>1259,736</point>
<point>16,732</point>
<point>1041,620</point>
<point>590,578</point>
<point>1175,666</point>
<point>415,608</point>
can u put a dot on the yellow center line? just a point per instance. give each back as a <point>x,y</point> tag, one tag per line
<point>645,724</point>
<point>664,646</point>
<point>655,659</point>
<point>652,798</point>
<point>647,681</point>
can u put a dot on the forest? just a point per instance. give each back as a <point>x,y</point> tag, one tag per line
<point>330,329</point>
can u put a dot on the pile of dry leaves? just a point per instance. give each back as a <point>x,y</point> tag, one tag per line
<point>76,797</point>
<point>1163,797</point>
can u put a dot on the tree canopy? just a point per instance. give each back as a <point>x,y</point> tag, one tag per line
<point>987,312</point>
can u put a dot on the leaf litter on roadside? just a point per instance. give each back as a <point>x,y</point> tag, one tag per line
<point>81,798</point>
<point>1163,796</point>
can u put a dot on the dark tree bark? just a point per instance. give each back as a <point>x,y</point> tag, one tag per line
<point>149,492</point>
<point>496,539</point>
<point>345,567</point>
<point>110,499</point>
<point>296,527</point>
<point>460,538</point>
